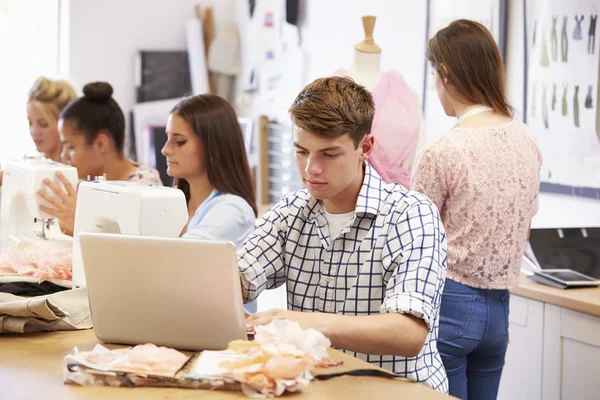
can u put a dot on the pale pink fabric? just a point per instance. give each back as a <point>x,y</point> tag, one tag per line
<point>395,127</point>
<point>485,183</point>
<point>145,174</point>
<point>37,262</point>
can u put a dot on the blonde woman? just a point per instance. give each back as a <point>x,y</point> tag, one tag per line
<point>47,98</point>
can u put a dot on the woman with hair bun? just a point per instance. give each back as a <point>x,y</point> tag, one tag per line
<point>92,130</point>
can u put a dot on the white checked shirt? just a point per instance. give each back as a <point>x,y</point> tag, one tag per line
<point>391,258</point>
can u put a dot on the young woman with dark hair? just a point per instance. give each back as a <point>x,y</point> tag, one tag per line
<point>92,131</point>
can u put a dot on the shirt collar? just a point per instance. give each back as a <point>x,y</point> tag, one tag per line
<point>211,196</point>
<point>370,198</point>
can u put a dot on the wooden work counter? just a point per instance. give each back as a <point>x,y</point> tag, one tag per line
<point>31,368</point>
<point>585,300</point>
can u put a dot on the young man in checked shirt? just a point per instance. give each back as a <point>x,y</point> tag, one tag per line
<point>364,262</point>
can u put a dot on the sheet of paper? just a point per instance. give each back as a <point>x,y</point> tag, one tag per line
<point>208,364</point>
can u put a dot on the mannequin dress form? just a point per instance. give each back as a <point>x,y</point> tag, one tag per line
<point>365,68</point>
<point>398,126</point>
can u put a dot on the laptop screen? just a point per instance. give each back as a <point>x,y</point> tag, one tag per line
<point>571,248</point>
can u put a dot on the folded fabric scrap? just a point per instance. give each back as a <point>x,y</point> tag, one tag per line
<point>277,361</point>
<point>62,311</point>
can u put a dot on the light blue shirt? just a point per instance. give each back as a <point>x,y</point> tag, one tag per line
<point>223,216</point>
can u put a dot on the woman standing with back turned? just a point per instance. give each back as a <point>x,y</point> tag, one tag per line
<point>484,177</point>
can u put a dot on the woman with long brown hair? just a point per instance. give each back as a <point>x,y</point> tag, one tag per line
<point>206,156</point>
<point>484,177</point>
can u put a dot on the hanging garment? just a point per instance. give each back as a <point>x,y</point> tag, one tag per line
<point>553,96</point>
<point>291,11</point>
<point>592,34</point>
<point>396,127</point>
<point>565,107</point>
<point>576,107</point>
<point>554,39</point>
<point>251,7</point>
<point>545,107</point>
<point>588,99</point>
<point>544,62</point>
<point>564,40</point>
<point>577,30</point>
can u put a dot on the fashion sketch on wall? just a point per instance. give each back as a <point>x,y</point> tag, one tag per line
<point>561,90</point>
<point>440,13</point>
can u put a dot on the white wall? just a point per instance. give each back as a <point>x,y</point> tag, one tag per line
<point>515,59</point>
<point>556,211</point>
<point>332,27</point>
<point>103,37</point>
<point>34,22</point>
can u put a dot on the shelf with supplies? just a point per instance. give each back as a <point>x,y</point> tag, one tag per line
<point>278,175</point>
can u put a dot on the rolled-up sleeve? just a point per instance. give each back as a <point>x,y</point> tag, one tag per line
<point>416,255</point>
<point>260,259</point>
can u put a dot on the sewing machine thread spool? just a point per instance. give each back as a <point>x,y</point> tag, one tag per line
<point>99,179</point>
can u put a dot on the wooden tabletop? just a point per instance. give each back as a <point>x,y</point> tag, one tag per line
<point>31,368</point>
<point>585,300</point>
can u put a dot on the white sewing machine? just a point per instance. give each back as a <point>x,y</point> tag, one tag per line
<point>20,216</point>
<point>128,208</point>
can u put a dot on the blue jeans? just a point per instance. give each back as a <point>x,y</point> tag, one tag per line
<point>473,338</point>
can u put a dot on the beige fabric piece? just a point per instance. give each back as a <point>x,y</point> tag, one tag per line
<point>62,311</point>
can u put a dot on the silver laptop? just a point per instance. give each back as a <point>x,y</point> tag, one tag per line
<point>173,292</point>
